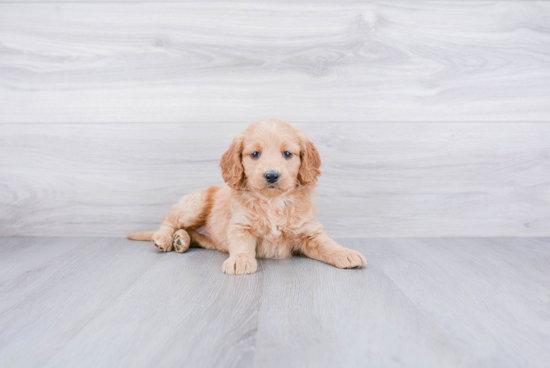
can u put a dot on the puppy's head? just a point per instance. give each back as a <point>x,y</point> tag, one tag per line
<point>270,157</point>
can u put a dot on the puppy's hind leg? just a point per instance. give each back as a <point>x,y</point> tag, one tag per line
<point>190,212</point>
<point>181,241</point>
<point>184,238</point>
<point>203,241</point>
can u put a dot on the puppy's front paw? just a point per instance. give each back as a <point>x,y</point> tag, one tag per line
<point>181,241</point>
<point>348,258</point>
<point>162,241</point>
<point>240,265</point>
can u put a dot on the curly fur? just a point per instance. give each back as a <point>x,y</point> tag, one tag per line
<point>232,169</point>
<point>250,218</point>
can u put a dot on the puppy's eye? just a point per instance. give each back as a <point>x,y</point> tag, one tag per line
<point>255,154</point>
<point>287,154</point>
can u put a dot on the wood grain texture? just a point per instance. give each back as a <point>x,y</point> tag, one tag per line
<point>232,62</point>
<point>419,303</point>
<point>462,302</point>
<point>70,307</point>
<point>378,179</point>
<point>472,267</point>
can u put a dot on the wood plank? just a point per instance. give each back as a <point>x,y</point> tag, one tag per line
<point>481,292</point>
<point>125,302</point>
<point>24,269</point>
<point>70,292</point>
<point>315,315</point>
<point>379,179</point>
<point>184,302</point>
<point>456,302</point>
<point>419,302</point>
<point>232,62</point>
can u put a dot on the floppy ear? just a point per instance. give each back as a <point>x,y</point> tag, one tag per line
<point>311,161</point>
<point>232,168</point>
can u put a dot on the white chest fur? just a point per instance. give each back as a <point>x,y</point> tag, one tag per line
<point>274,222</point>
<point>274,218</point>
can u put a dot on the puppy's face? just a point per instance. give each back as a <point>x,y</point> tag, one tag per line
<point>271,158</point>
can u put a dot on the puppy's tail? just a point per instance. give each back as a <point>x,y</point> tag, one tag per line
<point>144,235</point>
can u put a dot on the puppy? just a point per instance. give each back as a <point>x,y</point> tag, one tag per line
<point>265,210</point>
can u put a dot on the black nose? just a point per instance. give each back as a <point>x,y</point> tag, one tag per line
<point>271,176</point>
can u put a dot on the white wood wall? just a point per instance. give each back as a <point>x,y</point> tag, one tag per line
<point>431,117</point>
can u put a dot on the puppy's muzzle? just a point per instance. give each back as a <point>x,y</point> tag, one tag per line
<point>271,177</point>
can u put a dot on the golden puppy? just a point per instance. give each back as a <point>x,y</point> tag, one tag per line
<point>264,211</point>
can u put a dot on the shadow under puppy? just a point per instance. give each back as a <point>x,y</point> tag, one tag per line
<point>265,209</point>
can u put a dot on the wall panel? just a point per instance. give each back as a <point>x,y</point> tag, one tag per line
<point>178,62</point>
<point>378,179</point>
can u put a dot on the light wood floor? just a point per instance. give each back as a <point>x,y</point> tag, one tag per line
<point>77,302</point>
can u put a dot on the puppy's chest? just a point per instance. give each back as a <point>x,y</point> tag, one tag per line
<point>275,221</point>
<point>275,233</point>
